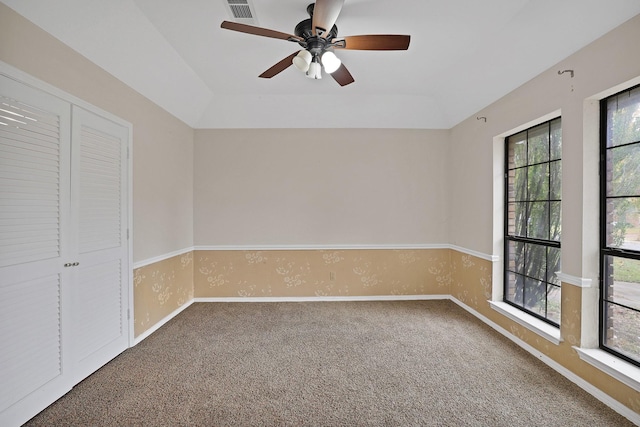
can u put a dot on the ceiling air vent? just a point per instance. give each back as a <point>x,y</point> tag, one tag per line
<point>241,11</point>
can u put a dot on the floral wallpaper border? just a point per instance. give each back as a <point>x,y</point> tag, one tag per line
<point>159,289</point>
<point>315,273</point>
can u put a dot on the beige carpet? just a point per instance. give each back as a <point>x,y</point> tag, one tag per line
<point>327,364</point>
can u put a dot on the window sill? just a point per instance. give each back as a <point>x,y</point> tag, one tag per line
<point>619,369</point>
<point>541,328</point>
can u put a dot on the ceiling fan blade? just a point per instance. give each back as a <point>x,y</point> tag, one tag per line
<point>325,14</point>
<point>258,31</point>
<point>376,42</point>
<point>342,76</point>
<point>279,67</point>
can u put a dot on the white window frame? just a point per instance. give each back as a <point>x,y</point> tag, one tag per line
<point>589,350</point>
<point>543,329</point>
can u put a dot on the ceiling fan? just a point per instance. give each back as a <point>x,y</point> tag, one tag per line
<point>318,36</point>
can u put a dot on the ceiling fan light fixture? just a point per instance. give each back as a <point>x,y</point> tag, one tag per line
<point>315,70</point>
<point>318,37</point>
<point>330,62</point>
<point>302,60</point>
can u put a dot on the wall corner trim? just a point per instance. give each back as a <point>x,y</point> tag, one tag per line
<point>159,258</point>
<point>487,257</point>
<point>580,282</point>
<point>161,323</point>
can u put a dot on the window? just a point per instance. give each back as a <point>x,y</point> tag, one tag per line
<point>620,225</point>
<point>532,220</point>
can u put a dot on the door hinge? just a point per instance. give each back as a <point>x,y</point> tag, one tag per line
<point>127,152</point>
<point>127,234</point>
<point>128,314</point>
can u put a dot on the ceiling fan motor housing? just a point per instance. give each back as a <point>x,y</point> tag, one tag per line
<point>316,45</point>
<point>304,29</point>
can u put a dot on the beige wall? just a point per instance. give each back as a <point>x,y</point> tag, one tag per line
<point>162,145</point>
<point>604,64</point>
<point>320,187</point>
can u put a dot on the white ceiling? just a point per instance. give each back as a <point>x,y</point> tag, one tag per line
<point>464,54</point>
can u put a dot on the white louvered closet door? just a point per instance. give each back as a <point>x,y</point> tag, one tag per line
<point>99,200</point>
<point>34,225</point>
<point>64,260</point>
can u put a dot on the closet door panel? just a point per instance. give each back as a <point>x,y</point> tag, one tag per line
<point>32,355</point>
<point>34,222</point>
<point>99,172</point>
<point>34,162</point>
<point>101,309</point>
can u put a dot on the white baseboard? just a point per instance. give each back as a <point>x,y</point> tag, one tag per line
<point>326,298</point>
<point>335,247</point>
<point>626,412</point>
<point>161,323</point>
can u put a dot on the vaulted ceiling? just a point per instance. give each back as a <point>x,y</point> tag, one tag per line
<point>464,54</point>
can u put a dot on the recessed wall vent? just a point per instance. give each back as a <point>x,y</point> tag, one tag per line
<point>241,11</point>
